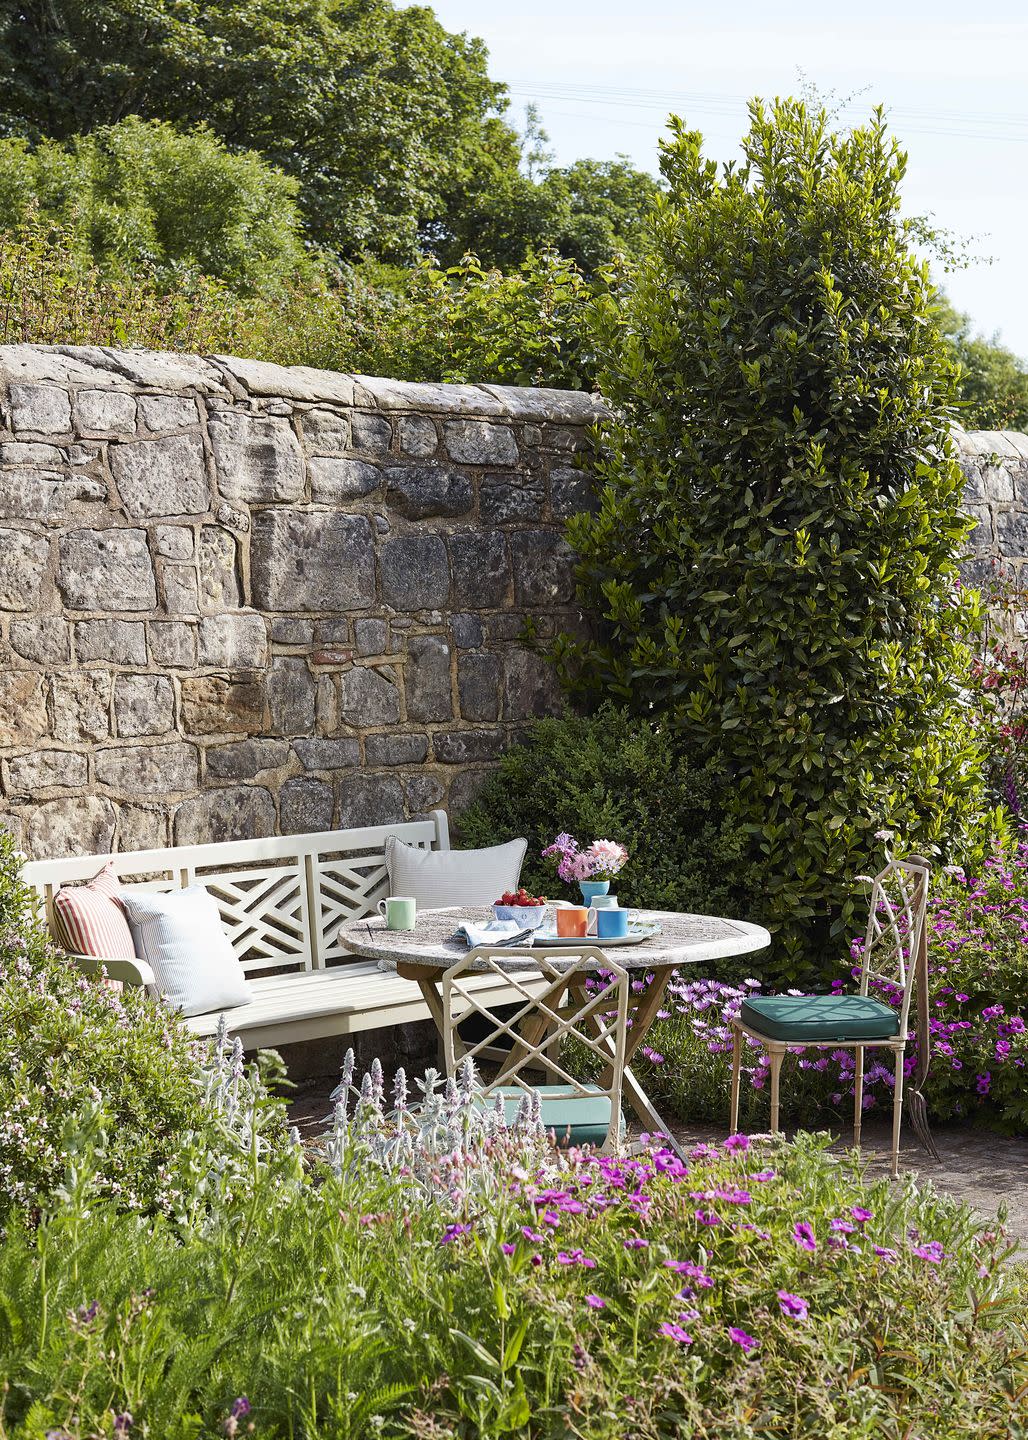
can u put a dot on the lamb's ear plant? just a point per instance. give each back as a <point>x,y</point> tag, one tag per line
<point>773,564</point>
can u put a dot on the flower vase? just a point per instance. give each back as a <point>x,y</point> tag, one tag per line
<point>591,888</point>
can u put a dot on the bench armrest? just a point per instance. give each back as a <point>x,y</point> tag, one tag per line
<point>131,972</point>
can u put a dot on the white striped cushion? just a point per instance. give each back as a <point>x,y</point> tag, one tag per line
<point>180,936</point>
<point>453,877</point>
<point>89,919</point>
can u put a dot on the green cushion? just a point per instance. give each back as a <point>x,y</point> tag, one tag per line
<point>574,1119</point>
<point>813,1019</point>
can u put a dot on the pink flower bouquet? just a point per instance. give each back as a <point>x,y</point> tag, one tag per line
<point>601,860</point>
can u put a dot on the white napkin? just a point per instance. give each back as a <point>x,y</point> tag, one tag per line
<point>493,932</point>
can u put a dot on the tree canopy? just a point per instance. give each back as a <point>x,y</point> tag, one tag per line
<point>142,195</point>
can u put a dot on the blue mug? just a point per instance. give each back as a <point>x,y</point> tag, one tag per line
<point>612,924</point>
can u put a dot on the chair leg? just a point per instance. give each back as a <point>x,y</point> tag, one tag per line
<point>897,1113</point>
<point>858,1094</point>
<point>776,1058</point>
<point>733,1123</point>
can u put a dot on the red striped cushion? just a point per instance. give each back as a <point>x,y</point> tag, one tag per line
<point>90,920</point>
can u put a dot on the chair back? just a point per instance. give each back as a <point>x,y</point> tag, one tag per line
<point>579,994</point>
<point>896,935</point>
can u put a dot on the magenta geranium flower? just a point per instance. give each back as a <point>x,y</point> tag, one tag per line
<point>675,1332</point>
<point>595,1302</point>
<point>794,1307</point>
<point>803,1234</point>
<point>931,1251</point>
<point>740,1337</point>
<point>737,1142</point>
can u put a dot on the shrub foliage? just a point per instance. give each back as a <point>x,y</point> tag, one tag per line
<point>774,561</point>
<point>614,775</point>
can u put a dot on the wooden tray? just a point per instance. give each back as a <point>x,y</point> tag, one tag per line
<point>637,934</point>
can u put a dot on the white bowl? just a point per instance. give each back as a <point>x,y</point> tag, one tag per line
<point>529,917</point>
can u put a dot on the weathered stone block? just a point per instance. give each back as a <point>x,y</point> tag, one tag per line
<point>415,573</point>
<point>142,827</point>
<point>334,480</point>
<point>291,695</point>
<point>371,637</point>
<point>148,770</point>
<point>325,432</point>
<point>319,754</point>
<point>173,644</point>
<point>481,569</point>
<point>371,433</point>
<point>174,542</point>
<point>106,570</point>
<point>427,678</point>
<point>214,705</point>
<point>480,442</point>
<point>418,491</point>
<point>396,749</point>
<point>33,453</point>
<point>543,568</point>
<point>122,642</point>
<point>22,707</point>
<point>478,684</point>
<point>33,495</point>
<point>46,770</point>
<point>179,586</point>
<point>306,806</point>
<point>75,825</point>
<point>46,639</point>
<point>530,686</point>
<point>368,696</point>
<point>258,457</point>
<point>423,793</point>
<point>464,747</point>
<point>82,706</point>
<point>161,477</point>
<point>504,499</point>
<point>998,483</point>
<point>238,812</point>
<point>312,561</point>
<point>465,788</point>
<point>43,409</point>
<point>219,578</point>
<point>572,491</point>
<point>246,759</point>
<point>466,631</point>
<point>1011,531</point>
<point>288,631</point>
<point>143,705</point>
<point>24,564</point>
<point>417,436</point>
<point>105,412</point>
<point>233,642</point>
<point>167,412</point>
<point>369,800</point>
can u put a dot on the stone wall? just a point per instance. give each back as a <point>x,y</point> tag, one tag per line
<point>996,466</point>
<point>237,599</point>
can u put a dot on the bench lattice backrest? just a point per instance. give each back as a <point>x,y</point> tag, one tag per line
<point>282,900</point>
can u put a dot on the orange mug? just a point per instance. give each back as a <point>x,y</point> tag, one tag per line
<point>574,921</point>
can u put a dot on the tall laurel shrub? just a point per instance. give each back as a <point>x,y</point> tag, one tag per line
<point>774,562</point>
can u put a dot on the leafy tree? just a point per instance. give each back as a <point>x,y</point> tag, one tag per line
<point>606,207</point>
<point>775,559</point>
<point>140,194</point>
<point>993,380</point>
<point>374,110</point>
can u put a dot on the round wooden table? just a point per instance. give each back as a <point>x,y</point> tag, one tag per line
<point>426,952</point>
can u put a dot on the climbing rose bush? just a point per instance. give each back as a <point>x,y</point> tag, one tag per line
<point>978,971</point>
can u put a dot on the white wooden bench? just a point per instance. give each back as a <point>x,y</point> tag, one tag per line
<point>282,902</point>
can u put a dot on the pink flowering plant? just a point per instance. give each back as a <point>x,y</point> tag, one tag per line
<point>601,860</point>
<point>751,1288</point>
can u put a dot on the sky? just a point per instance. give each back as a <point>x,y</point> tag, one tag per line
<point>953,78</point>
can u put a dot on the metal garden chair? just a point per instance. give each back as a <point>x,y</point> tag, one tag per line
<point>580,995</point>
<point>895,954</point>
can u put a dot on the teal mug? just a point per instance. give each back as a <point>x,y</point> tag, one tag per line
<point>612,923</point>
<point>399,911</point>
<point>605,902</point>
